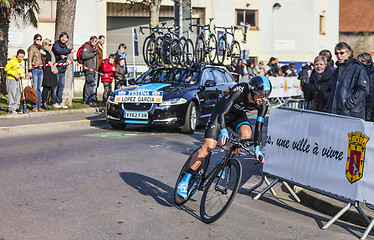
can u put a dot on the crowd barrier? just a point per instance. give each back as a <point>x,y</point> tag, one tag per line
<point>329,154</point>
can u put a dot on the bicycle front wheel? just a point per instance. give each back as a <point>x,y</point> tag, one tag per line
<point>220,191</point>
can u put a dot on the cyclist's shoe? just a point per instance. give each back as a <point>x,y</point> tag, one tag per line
<point>183,185</point>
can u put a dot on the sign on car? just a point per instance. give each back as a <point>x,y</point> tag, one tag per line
<point>139,96</point>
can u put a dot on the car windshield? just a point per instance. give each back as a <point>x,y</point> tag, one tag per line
<point>182,77</point>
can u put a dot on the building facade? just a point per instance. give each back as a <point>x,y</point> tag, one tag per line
<point>296,30</point>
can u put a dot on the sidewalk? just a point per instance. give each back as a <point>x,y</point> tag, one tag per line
<point>34,122</point>
<point>37,122</point>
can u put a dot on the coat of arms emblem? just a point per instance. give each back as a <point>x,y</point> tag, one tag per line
<point>356,156</point>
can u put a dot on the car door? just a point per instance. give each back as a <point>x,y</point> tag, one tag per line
<point>208,92</point>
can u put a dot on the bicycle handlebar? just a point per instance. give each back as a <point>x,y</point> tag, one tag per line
<point>243,143</point>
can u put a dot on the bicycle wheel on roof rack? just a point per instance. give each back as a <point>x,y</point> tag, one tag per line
<point>235,53</point>
<point>149,50</point>
<point>200,50</point>
<point>165,52</point>
<point>221,49</point>
<point>175,53</point>
<point>158,51</point>
<point>187,55</point>
<point>212,48</point>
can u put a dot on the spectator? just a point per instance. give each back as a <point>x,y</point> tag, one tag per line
<point>250,70</point>
<point>317,88</point>
<point>121,53</point>
<point>100,57</point>
<point>349,84</point>
<point>89,57</point>
<point>49,73</point>
<point>259,69</point>
<point>61,52</point>
<point>328,56</point>
<point>366,59</point>
<point>14,75</point>
<point>272,67</point>
<point>239,70</point>
<point>120,75</point>
<point>108,69</point>
<point>292,70</point>
<point>36,56</point>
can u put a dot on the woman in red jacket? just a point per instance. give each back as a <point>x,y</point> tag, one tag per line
<point>108,69</point>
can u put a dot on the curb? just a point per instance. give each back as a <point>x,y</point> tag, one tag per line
<point>331,207</point>
<point>52,113</point>
<point>50,127</point>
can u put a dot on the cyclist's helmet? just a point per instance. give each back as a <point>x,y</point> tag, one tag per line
<point>260,86</point>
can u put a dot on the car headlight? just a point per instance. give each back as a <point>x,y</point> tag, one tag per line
<point>173,101</point>
<point>112,98</point>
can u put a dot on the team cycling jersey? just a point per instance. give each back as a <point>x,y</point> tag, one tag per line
<point>231,111</point>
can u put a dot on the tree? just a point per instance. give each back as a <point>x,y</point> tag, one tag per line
<point>152,5</point>
<point>26,11</point>
<point>65,18</point>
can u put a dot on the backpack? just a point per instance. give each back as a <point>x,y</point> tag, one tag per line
<point>80,51</point>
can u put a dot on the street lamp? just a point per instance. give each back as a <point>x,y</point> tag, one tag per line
<point>276,6</point>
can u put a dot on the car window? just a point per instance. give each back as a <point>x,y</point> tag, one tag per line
<point>228,77</point>
<point>207,75</point>
<point>219,76</point>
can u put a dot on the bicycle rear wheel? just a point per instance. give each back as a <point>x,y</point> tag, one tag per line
<point>199,50</point>
<point>194,182</point>
<point>235,53</point>
<point>165,52</point>
<point>220,191</point>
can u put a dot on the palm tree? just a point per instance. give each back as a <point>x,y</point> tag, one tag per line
<point>26,11</point>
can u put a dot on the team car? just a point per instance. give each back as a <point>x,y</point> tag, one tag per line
<point>182,97</point>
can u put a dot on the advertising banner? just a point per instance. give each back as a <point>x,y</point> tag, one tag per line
<point>285,87</point>
<point>328,152</point>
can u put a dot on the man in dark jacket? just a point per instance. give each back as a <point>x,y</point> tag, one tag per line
<point>89,57</point>
<point>349,84</point>
<point>61,52</point>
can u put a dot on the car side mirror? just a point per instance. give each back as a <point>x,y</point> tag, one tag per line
<point>210,83</point>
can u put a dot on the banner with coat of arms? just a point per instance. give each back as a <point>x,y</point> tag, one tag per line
<point>328,152</point>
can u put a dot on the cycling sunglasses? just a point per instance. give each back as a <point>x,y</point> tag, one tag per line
<point>262,94</point>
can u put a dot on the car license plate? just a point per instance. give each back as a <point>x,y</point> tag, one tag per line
<point>137,115</point>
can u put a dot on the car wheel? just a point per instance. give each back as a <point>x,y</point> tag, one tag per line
<point>191,119</point>
<point>118,125</point>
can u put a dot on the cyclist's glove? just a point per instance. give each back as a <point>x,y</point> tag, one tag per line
<point>224,134</point>
<point>258,153</point>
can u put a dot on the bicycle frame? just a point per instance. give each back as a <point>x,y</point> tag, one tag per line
<point>237,143</point>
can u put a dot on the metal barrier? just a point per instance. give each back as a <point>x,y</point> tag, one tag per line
<point>300,105</point>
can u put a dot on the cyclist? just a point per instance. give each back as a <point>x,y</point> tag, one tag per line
<point>231,112</point>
